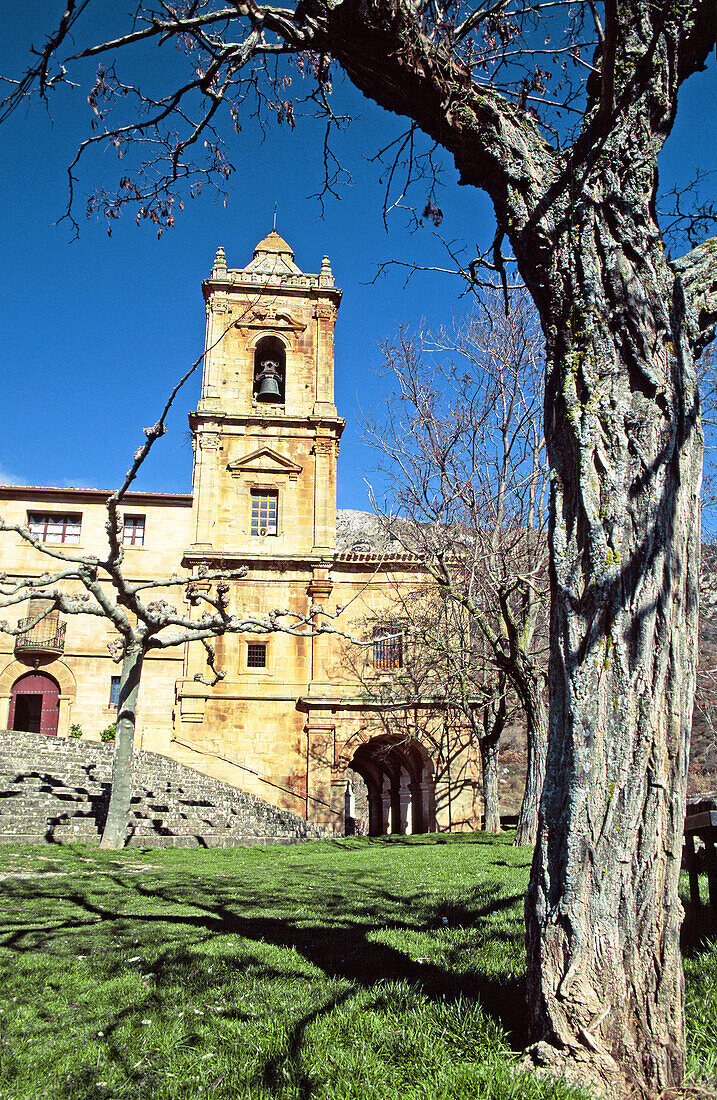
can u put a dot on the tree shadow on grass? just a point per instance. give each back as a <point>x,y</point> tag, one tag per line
<point>178,967</point>
<point>339,942</point>
<point>289,1062</point>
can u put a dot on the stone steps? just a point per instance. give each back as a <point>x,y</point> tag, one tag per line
<point>57,790</point>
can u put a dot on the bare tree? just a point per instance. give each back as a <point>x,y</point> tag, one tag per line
<point>461,449</point>
<point>559,112</point>
<point>434,683</point>
<point>141,613</point>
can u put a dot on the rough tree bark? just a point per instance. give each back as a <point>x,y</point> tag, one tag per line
<point>625,445</point>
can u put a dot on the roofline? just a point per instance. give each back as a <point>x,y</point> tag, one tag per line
<point>349,557</point>
<point>378,563</point>
<point>67,492</point>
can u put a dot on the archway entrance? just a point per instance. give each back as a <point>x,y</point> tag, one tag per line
<point>35,704</point>
<point>399,778</point>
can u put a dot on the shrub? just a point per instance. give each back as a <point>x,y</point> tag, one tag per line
<point>108,733</point>
<point>75,730</point>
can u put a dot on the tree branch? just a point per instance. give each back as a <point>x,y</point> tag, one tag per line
<point>697,272</point>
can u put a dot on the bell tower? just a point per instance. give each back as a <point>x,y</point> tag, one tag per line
<point>266,431</point>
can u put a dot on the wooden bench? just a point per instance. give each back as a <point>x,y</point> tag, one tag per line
<point>701,821</point>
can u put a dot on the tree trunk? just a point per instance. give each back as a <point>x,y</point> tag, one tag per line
<point>537,739</point>
<point>605,983</point>
<point>494,716</point>
<point>115,831</point>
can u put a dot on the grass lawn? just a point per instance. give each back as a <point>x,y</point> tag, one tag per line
<point>391,968</point>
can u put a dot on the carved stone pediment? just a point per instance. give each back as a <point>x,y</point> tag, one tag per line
<point>264,461</point>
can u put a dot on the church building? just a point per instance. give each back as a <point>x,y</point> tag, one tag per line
<point>301,722</point>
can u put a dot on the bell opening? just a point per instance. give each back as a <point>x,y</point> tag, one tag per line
<point>269,371</point>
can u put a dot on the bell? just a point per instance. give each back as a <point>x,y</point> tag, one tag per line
<point>268,390</point>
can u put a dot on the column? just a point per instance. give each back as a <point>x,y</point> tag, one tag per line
<point>386,807</point>
<point>405,816</point>
<point>63,717</point>
<point>428,806</point>
<point>319,589</point>
<point>205,473</point>
<point>325,315</point>
<point>320,805</point>
<point>338,805</point>
<point>325,493</point>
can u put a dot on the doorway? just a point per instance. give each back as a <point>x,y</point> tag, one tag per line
<point>398,774</point>
<point>28,713</point>
<point>35,704</point>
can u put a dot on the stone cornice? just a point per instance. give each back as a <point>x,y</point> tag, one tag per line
<point>317,285</point>
<point>212,417</point>
<point>349,563</point>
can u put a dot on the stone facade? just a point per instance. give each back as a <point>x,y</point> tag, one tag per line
<point>290,722</point>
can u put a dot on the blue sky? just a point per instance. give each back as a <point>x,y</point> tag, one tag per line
<point>93,333</point>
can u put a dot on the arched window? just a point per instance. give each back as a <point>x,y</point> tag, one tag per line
<point>269,371</point>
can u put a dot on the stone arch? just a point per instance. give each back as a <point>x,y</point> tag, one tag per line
<point>363,735</point>
<point>59,672</point>
<point>57,669</point>
<point>281,337</point>
<point>398,774</point>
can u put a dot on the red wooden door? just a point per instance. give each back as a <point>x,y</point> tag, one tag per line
<point>35,704</point>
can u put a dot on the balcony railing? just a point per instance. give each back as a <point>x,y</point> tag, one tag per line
<point>47,636</point>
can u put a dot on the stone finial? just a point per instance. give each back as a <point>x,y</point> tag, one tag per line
<point>219,269</point>
<point>326,272</point>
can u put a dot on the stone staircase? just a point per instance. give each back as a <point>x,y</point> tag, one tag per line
<point>57,790</point>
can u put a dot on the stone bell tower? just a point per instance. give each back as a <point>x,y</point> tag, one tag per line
<point>266,431</point>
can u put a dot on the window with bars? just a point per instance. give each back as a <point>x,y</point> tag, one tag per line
<point>387,647</point>
<point>114,692</point>
<point>264,511</point>
<point>55,526</point>
<point>256,655</point>
<point>133,531</point>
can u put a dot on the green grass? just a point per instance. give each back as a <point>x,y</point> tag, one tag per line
<point>333,970</point>
<point>701,1014</point>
